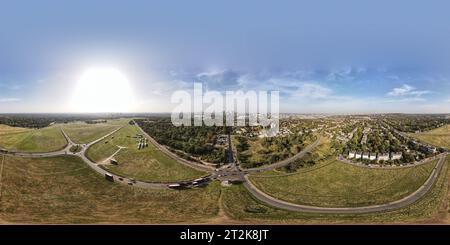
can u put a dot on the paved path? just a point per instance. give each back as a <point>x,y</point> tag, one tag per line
<point>408,200</point>
<point>117,178</point>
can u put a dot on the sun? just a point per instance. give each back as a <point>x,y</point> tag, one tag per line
<point>102,89</point>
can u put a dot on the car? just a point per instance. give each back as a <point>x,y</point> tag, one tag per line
<point>130,183</point>
<point>175,186</point>
<point>120,178</point>
<point>109,177</point>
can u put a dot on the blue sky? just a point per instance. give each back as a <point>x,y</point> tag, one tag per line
<point>323,56</point>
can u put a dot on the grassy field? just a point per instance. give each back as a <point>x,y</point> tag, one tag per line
<point>148,164</point>
<point>5,129</point>
<point>83,133</point>
<point>437,137</point>
<point>32,140</point>
<point>432,208</point>
<point>65,190</point>
<point>337,184</point>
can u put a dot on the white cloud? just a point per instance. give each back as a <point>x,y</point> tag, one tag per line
<point>6,100</point>
<point>407,90</point>
<point>404,100</point>
<point>312,90</point>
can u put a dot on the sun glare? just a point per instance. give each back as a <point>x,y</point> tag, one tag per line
<point>102,90</point>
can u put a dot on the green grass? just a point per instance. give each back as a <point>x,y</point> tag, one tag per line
<point>65,190</point>
<point>339,184</point>
<point>75,148</point>
<point>239,204</point>
<point>148,164</point>
<point>438,137</point>
<point>83,133</point>
<point>34,140</point>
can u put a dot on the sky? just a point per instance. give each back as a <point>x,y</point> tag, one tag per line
<point>323,56</point>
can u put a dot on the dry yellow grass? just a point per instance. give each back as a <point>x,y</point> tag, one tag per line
<point>65,190</point>
<point>438,137</point>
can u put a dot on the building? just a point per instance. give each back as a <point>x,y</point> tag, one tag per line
<point>358,155</point>
<point>365,156</point>
<point>383,157</point>
<point>351,154</point>
<point>372,156</point>
<point>396,155</point>
<point>428,149</point>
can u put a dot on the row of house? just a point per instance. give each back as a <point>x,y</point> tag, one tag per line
<point>375,156</point>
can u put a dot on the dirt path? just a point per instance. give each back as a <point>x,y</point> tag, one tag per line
<point>222,217</point>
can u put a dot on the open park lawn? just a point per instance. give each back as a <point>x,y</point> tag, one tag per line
<point>147,164</point>
<point>337,184</point>
<point>240,205</point>
<point>32,140</point>
<point>83,133</point>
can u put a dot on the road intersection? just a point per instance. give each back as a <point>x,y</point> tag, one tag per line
<point>233,172</point>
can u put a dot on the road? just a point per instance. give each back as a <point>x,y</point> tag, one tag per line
<point>410,199</point>
<point>233,172</point>
<point>94,166</point>
<point>285,162</point>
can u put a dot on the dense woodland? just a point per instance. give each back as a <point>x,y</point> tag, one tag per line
<point>195,141</point>
<point>38,120</point>
<point>378,140</point>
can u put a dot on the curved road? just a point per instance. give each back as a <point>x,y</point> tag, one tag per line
<point>265,198</point>
<point>285,162</point>
<point>410,199</point>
